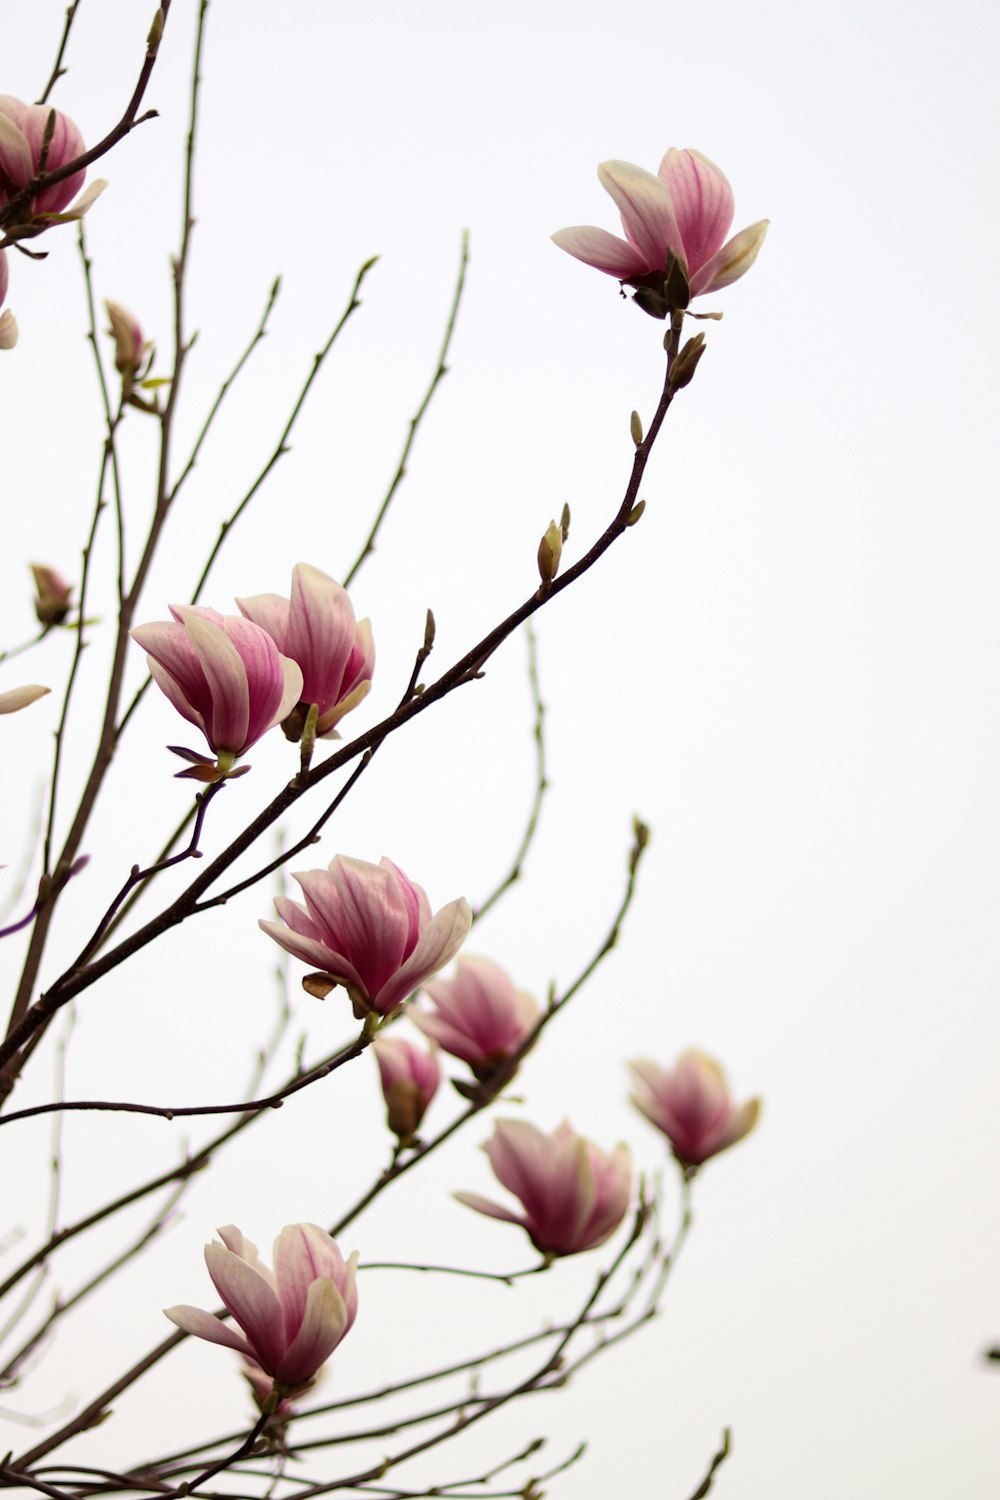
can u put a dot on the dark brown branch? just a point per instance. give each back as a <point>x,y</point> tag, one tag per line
<point>15,209</point>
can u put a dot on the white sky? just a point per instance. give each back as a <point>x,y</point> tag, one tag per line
<point>788,668</point>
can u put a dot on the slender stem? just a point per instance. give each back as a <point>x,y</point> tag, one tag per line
<point>183,1111</point>
<point>58,71</point>
<point>259,333</point>
<point>541,782</point>
<point>13,651</point>
<point>281,447</point>
<point>440,371</point>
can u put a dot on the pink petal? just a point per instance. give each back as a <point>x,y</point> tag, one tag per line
<point>270,612</point>
<point>703,203</point>
<point>606,252</point>
<point>732,261</point>
<point>647,213</point>
<point>227,711</point>
<point>487,1206</point>
<point>252,1302</point>
<point>324,1324</point>
<point>438,944</point>
<point>204,1326</point>
<point>302,1254</point>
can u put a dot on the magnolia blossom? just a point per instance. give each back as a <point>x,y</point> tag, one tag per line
<point>292,1317</point>
<point>19,697</point>
<point>410,1078</point>
<point>681,216</point>
<point>316,628</point>
<point>52,595</point>
<point>225,675</point>
<point>573,1195</point>
<point>479,1016</point>
<point>22,138</point>
<point>370,929</point>
<point>691,1105</point>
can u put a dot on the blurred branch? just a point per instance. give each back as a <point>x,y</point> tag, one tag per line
<point>719,1458</point>
<point>440,372</point>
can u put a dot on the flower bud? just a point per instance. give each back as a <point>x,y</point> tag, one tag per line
<point>17,698</point>
<point>684,366</point>
<point>410,1079</point>
<point>51,595</point>
<point>8,330</point>
<point>549,553</point>
<point>130,347</point>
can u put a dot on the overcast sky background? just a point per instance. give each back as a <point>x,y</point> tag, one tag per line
<point>788,669</point>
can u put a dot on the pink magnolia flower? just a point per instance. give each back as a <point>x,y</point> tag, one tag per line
<point>574,1196</point>
<point>370,929</point>
<point>681,216</point>
<point>22,135</point>
<point>292,1317</point>
<point>410,1079</point>
<point>691,1105</point>
<point>224,675</point>
<point>479,1017</point>
<point>316,628</point>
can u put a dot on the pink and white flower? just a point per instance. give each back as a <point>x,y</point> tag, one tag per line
<point>680,216</point>
<point>370,929</point>
<point>410,1078</point>
<point>691,1105</point>
<point>479,1016</point>
<point>223,674</point>
<point>316,628</point>
<point>22,137</point>
<point>292,1317</point>
<point>573,1195</point>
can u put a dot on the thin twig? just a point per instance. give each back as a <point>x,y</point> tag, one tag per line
<point>541,780</point>
<point>440,371</point>
<point>58,71</point>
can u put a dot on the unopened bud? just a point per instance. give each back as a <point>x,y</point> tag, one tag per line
<point>686,362</point>
<point>8,329</point>
<point>51,595</point>
<point>155,31</point>
<point>635,513</point>
<point>549,553</point>
<point>129,343</point>
<point>564,522</point>
<point>635,424</point>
